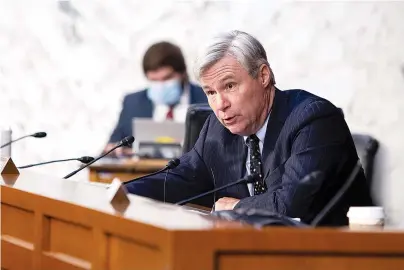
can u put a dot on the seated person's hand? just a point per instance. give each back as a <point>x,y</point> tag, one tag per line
<point>226,203</point>
<point>120,152</point>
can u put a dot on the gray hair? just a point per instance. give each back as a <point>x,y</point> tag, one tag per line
<point>246,49</point>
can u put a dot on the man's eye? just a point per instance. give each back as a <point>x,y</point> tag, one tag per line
<point>230,86</point>
<point>209,93</point>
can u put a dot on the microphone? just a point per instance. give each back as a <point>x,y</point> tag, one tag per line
<point>35,135</point>
<point>84,159</point>
<point>170,165</point>
<point>245,180</point>
<point>327,208</point>
<point>127,141</point>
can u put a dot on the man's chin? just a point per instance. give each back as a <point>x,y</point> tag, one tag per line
<point>237,130</point>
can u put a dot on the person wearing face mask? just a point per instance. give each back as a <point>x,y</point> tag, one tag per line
<point>167,97</point>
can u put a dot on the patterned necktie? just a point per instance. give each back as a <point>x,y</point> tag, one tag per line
<point>255,163</point>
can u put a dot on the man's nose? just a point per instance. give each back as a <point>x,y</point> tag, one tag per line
<point>222,102</point>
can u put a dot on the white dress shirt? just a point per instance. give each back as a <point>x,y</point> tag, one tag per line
<point>179,112</point>
<point>261,136</point>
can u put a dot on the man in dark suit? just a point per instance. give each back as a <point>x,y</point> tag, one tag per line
<point>256,128</point>
<point>167,97</point>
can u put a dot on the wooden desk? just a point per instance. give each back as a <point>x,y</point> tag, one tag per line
<point>126,170</point>
<point>51,223</point>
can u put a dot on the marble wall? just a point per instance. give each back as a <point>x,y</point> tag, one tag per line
<point>66,65</point>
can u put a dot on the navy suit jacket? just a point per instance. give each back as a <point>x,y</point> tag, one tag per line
<point>139,105</point>
<point>305,133</point>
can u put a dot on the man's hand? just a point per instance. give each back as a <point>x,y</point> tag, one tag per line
<point>226,203</point>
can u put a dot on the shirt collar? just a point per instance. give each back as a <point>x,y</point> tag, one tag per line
<point>261,132</point>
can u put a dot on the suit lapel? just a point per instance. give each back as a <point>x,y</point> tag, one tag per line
<point>276,120</point>
<point>236,154</point>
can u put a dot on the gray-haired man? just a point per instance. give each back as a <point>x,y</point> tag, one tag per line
<point>257,128</point>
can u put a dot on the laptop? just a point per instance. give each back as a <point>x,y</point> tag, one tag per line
<point>157,139</point>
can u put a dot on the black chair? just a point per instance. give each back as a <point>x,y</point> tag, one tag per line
<point>366,146</point>
<point>195,119</point>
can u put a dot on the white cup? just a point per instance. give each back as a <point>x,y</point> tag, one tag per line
<point>366,217</point>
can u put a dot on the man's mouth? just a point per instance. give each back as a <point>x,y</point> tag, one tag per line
<point>229,120</point>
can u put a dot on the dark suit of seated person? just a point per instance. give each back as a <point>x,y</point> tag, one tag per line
<point>282,135</point>
<point>167,97</point>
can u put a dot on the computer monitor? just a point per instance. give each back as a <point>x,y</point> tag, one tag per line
<point>157,139</point>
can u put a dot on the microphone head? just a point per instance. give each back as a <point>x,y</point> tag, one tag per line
<point>173,163</point>
<point>85,159</point>
<point>39,135</point>
<point>251,178</point>
<point>127,141</point>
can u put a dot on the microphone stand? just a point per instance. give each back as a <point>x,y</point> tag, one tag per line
<point>35,135</point>
<point>334,200</point>
<point>245,180</point>
<point>124,142</point>
<point>170,165</point>
<point>47,162</point>
<point>16,140</point>
<point>82,160</point>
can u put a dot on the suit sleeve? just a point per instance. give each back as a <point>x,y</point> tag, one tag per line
<point>119,131</point>
<point>317,144</point>
<point>190,178</point>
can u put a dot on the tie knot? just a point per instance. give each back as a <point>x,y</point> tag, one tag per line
<point>252,140</point>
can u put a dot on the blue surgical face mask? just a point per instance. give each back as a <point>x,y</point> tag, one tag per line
<point>167,92</point>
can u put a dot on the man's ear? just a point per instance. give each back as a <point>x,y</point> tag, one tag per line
<point>264,75</point>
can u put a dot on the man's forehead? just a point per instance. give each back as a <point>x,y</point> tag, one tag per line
<point>220,77</point>
<point>221,69</point>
